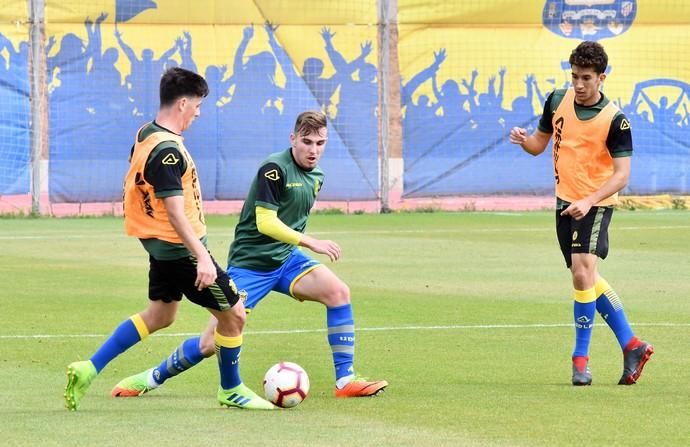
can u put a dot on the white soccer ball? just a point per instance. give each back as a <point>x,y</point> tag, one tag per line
<point>286,384</point>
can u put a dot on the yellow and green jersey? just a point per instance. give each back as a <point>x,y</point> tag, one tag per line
<point>283,186</point>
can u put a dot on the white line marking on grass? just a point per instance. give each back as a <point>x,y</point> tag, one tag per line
<point>364,329</point>
<point>218,234</point>
<point>490,230</point>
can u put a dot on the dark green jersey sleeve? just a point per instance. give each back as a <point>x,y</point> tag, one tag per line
<point>619,140</point>
<point>164,170</point>
<point>545,124</point>
<point>270,182</point>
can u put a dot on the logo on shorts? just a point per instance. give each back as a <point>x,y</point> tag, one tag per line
<point>575,235</point>
<point>308,263</point>
<point>243,296</point>
<point>232,285</point>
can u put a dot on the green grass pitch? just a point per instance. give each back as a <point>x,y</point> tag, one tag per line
<point>467,316</point>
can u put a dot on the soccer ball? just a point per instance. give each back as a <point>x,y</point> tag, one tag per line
<point>286,384</point>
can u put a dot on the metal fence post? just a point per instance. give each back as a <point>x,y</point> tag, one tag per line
<point>384,70</point>
<point>37,62</point>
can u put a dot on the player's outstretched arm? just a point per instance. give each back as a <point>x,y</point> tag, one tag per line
<point>268,223</point>
<point>321,246</point>
<point>533,144</point>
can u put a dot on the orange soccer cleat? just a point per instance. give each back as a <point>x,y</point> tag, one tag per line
<point>359,387</point>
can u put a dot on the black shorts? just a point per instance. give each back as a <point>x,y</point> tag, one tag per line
<point>587,235</point>
<point>168,280</point>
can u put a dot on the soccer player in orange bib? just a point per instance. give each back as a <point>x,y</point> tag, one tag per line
<point>265,256</point>
<point>592,146</point>
<point>163,209</point>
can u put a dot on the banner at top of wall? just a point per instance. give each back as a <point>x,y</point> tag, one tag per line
<point>215,12</point>
<point>589,19</point>
<point>521,12</point>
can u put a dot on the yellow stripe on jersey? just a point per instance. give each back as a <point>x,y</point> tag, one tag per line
<point>584,296</point>
<point>227,342</point>
<point>140,325</point>
<point>267,223</point>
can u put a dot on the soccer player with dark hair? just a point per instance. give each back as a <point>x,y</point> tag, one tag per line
<point>264,257</point>
<point>163,208</point>
<point>592,146</point>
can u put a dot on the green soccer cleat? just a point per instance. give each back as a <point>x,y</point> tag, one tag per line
<point>242,397</point>
<point>79,377</point>
<point>133,386</point>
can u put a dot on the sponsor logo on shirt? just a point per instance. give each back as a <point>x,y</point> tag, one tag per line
<point>170,159</point>
<point>272,175</point>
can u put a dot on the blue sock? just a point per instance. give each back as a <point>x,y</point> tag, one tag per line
<point>126,335</point>
<point>228,353</point>
<point>341,337</point>
<point>184,357</point>
<point>584,310</point>
<point>610,307</point>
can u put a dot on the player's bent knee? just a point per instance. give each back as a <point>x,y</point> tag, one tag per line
<point>339,295</point>
<point>163,323</point>
<point>207,345</point>
<point>239,315</point>
<point>231,322</point>
<point>582,277</point>
<point>155,322</point>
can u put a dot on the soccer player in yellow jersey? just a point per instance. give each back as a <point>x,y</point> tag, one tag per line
<point>163,208</point>
<point>592,146</point>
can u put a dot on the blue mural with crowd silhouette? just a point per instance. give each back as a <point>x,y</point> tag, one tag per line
<point>464,148</point>
<point>95,112</point>
<point>454,134</point>
<point>456,140</point>
<point>15,117</point>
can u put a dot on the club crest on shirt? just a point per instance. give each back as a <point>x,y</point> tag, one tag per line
<point>589,19</point>
<point>272,175</point>
<point>317,187</point>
